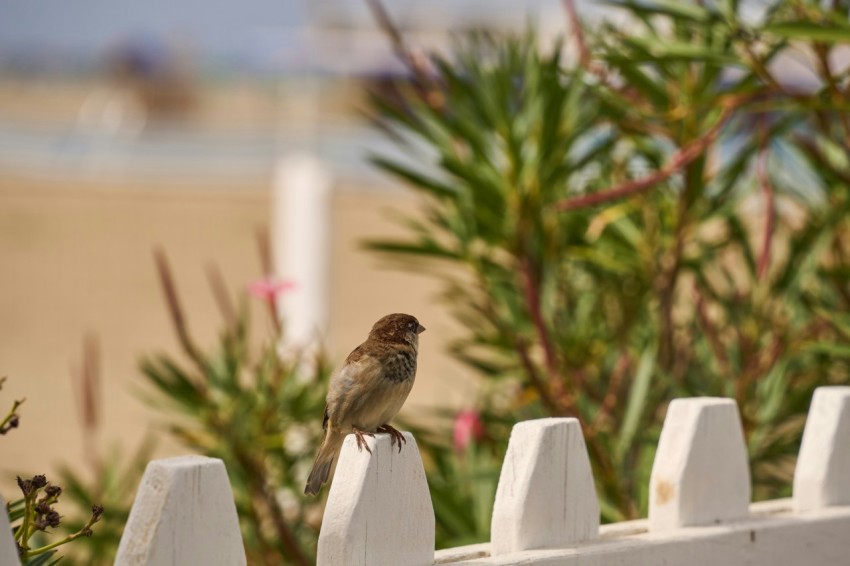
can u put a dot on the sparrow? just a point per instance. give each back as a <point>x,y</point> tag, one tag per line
<point>367,391</point>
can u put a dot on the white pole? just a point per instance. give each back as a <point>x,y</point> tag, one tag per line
<point>301,246</point>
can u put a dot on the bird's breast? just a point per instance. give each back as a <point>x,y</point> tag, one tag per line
<point>401,366</point>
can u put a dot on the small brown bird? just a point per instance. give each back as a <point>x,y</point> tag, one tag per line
<point>368,390</point>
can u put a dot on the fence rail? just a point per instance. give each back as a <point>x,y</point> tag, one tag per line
<point>546,512</point>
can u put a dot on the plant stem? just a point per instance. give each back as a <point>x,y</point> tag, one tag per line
<point>680,159</point>
<point>23,530</point>
<point>532,299</point>
<point>12,414</point>
<point>66,540</point>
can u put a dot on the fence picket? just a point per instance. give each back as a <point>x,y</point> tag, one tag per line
<point>183,514</point>
<point>546,497</point>
<point>379,508</point>
<point>822,476</point>
<point>701,474</point>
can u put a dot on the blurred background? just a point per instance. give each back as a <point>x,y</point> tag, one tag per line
<point>592,210</point>
<point>125,125</point>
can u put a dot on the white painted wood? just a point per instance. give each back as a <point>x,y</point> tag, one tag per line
<point>701,474</point>
<point>183,514</point>
<point>300,245</point>
<point>546,497</point>
<point>822,476</point>
<point>8,548</point>
<point>773,536</point>
<point>379,509</point>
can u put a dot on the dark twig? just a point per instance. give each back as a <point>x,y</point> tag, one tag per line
<point>680,159</point>
<point>175,310</point>
<point>12,418</point>
<point>221,296</point>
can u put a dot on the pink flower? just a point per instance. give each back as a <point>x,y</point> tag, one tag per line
<point>468,427</point>
<point>268,288</point>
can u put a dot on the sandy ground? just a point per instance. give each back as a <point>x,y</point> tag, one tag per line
<point>76,259</point>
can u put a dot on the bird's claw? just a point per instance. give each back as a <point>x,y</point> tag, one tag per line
<point>361,442</point>
<point>395,435</point>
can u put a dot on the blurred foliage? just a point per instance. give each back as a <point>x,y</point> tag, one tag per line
<point>112,481</point>
<point>258,411</point>
<point>666,216</point>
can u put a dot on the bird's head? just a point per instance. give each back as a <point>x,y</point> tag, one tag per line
<point>398,328</point>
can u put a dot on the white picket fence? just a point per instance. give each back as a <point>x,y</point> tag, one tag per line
<point>546,512</point>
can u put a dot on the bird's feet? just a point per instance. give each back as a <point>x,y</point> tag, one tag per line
<point>361,442</point>
<point>395,435</point>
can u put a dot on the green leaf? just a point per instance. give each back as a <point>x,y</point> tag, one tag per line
<point>42,559</point>
<point>636,404</point>
<point>828,348</point>
<point>676,9</point>
<point>827,33</point>
<point>415,178</point>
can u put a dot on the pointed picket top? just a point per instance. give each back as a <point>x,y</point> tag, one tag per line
<point>701,474</point>
<point>546,496</point>
<point>822,477</point>
<point>8,548</point>
<point>379,508</point>
<point>184,513</point>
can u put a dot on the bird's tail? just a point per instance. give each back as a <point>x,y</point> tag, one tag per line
<point>324,460</point>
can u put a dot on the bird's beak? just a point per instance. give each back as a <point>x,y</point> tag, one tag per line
<point>420,330</point>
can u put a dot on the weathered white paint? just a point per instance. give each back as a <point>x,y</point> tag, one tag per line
<point>183,514</point>
<point>822,476</point>
<point>774,536</point>
<point>300,244</point>
<point>8,548</point>
<point>546,497</point>
<point>379,509</point>
<point>701,474</point>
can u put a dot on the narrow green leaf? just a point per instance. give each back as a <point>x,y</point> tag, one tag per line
<point>636,403</point>
<point>828,33</point>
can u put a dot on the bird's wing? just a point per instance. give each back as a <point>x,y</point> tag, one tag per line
<point>352,386</point>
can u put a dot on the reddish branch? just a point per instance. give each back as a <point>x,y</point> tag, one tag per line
<point>680,159</point>
<point>770,214</point>
<point>532,299</point>
<point>577,32</point>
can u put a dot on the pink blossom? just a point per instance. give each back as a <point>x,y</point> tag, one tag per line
<point>268,288</point>
<point>468,427</point>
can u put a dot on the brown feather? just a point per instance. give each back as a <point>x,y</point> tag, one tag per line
<point>369,389</point>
